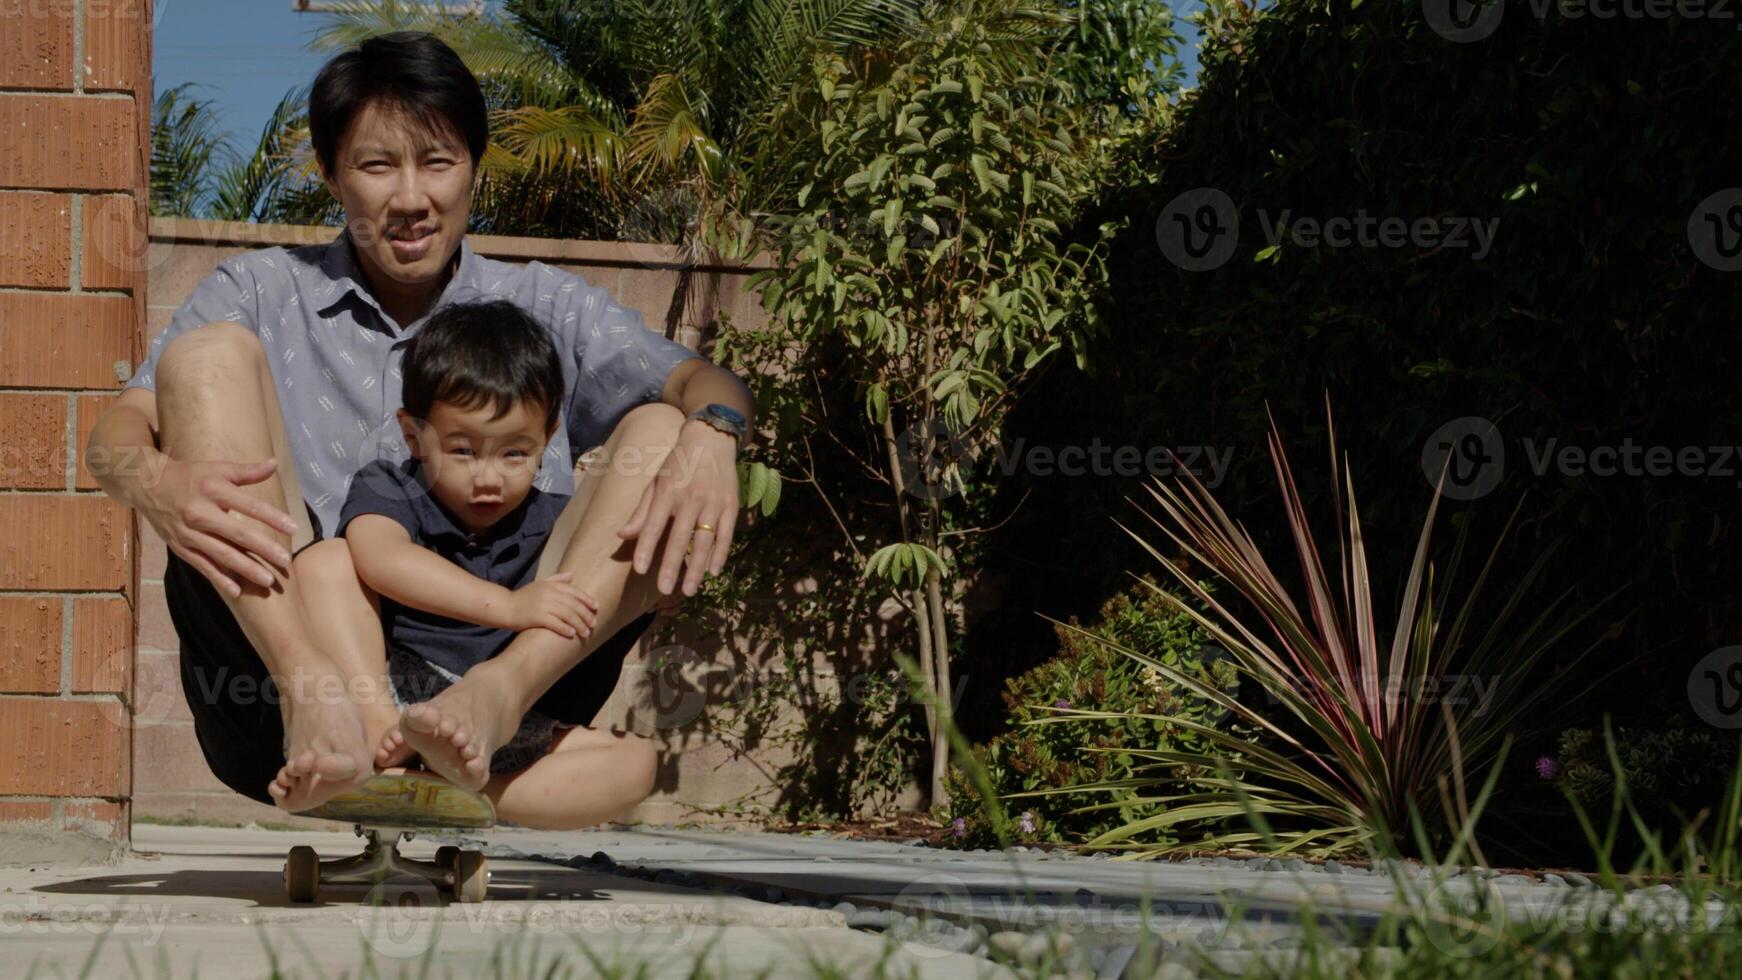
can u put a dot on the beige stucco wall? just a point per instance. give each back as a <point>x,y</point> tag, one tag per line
<point>704,769</point>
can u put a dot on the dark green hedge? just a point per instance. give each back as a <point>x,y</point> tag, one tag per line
<point>1591,321</point>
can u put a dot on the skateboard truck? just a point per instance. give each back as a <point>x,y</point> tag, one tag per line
<point>392,807</point>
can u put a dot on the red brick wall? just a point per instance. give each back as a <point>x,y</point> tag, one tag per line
<point>75,107</point>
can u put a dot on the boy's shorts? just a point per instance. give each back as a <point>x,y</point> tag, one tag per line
<point>235,701</point>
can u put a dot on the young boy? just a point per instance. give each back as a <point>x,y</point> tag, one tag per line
<point>444,550</point>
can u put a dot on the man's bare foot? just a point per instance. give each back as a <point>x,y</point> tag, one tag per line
<point>458,730</point>
<point>328,753</point>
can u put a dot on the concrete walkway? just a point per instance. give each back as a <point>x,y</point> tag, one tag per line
<point>199,901</point>
<point>656,902</point>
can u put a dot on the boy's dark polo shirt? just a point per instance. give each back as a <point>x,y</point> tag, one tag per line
<point>506,553</point>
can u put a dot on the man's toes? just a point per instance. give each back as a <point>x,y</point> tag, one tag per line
<point>421,718</point>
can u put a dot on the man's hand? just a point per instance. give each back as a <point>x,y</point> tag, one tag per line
<point>553,604</point>
<point>197,509</point>
<point>697,483</point>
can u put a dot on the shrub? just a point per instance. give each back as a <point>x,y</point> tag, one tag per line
<point>1056,756</point>
<point>1670,773</point>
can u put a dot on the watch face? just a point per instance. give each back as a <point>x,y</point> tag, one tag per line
<point>728,413</point>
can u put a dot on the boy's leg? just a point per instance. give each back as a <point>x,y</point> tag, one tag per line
<point>483,709</point>
<point>589,776</point>
<point>217,400</point>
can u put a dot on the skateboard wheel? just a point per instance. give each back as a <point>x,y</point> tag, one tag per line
<point>445,856</point>
<point>471,877</point>
<point>302,874</point>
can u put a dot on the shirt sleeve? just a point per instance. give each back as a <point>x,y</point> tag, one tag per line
<point>385,489</point>
<point>229,293</point>
<point>619,363</point>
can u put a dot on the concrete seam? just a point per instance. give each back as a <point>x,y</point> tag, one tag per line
<point>79,46</point>
<point>66,645</point>
<point>77,267</point>
<point>72,442</point>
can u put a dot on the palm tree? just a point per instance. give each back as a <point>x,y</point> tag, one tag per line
<point>187,146</point>
<point>196,172</point>
<point>634,120</point>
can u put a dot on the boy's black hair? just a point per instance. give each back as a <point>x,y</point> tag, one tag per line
<point>407,70</point>
<point>485,353</point>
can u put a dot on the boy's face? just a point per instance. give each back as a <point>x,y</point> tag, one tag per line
<point>478,468</point>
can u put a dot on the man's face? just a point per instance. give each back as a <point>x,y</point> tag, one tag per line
<point>406,193</point>
<point>477,467</point>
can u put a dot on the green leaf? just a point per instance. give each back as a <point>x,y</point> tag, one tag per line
<point>1265,253</point>
<point>896,244</point>
<point>982,172</point>
<point>771,494</point>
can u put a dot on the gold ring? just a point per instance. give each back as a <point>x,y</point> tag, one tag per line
<point>705,527</point>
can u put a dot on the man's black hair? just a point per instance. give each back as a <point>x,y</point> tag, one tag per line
<point>475,354</point>
<point>407,70</point>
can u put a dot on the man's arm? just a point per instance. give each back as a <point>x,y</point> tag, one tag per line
<point>695,383</point>
<point>388,561</point>
<point>121,452</point>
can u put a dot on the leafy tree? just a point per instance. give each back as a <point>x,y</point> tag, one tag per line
<point>927,239</point>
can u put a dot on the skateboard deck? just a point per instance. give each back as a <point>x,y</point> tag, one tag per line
<point>390,807</point>
<point>410,799</point>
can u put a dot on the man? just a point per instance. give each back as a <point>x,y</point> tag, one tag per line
<point>278,379</point>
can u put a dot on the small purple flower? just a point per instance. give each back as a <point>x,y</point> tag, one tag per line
<point>1025,823</point>
<point>1061,703</point>
<point>1547,767</point>
<point>959,827</point>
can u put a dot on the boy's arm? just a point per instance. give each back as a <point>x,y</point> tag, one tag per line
<point>388,561</point>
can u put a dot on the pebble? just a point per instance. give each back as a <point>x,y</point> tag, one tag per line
<point>1513,880</point>
<point>1556,880</point>
<point>1333,867</point>
<point>1006,944</point>
<point>870,919</point>
<point>1578,880</point>
<point>1295,864</point>
<point>914,842</point>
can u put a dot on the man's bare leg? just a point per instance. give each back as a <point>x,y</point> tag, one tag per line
<point>589,776</point>
<point>347,624</point>
<point>457,730</point>
<point>216,400</point>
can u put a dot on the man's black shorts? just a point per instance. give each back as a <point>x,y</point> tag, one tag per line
<point>235,701</point>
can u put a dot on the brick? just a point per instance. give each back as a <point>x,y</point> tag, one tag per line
<point>99,818</point>
<point>64,748</point>
<point>52,543</point>
<point>153,556</point>
<point>90,407</point>
<point>36,45</point>
<point>102,646</point>
<point>69,142</point>
<point>33,441</point>
<point>115,45</point>
<point>15,811</point>
<point>56,340</point>
<point>30,654</point>
<point>116,246</point>
<point>157,693</point>
<point>156,631</point>
<point>36,235</point>
<point>177,763</point>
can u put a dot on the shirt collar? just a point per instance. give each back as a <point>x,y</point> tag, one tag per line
<point>512,527</point>
<point>339,265</point>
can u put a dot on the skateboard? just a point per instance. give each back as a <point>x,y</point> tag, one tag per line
<point>390,808</point>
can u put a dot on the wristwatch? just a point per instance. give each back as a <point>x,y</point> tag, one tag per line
<point>725,418</point>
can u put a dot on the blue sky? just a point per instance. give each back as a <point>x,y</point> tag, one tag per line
<point>245,54</point>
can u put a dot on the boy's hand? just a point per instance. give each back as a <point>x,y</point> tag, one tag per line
<point>553,604</point>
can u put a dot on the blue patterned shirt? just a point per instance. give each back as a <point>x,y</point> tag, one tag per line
<point>335,355</point>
